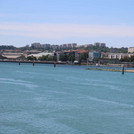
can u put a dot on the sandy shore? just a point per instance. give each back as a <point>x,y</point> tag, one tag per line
<point>113,70</point>
<point>130,71</point>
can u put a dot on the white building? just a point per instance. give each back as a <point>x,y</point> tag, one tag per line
<point>131,50</point>
<point>118,55</point>
<point>12,55</point>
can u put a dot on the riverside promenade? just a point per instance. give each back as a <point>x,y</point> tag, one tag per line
<point>29,61</point>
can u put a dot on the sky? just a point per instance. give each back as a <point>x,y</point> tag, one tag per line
<point>24,22</point>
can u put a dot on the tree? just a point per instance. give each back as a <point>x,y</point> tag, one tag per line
<point>55,58</point>
<point>132,58</point>
<point>71,58</point>
<point>2,57</point>
<point>64,57</point>
<point>83,57</point>
<point>47,58</point>
<point>43,58</point>
<point>31,58</point>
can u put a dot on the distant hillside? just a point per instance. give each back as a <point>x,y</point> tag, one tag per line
<point>3,47</point>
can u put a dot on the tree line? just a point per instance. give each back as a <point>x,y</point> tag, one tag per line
<point>63,57</point>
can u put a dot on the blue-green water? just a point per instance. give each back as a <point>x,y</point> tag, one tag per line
<point>65,100</point>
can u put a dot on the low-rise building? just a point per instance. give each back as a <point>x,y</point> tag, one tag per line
<point>28,52</point>
<point>104,55</point>
<point>11,51</point>
<point>118,55</point>
<point>13,55</point>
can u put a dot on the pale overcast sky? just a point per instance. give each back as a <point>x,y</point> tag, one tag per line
<point>64,21</point>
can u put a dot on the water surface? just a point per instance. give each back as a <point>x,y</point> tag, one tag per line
<point>65,100</point>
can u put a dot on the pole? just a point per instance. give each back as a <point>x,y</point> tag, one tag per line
<point>19,62</point>
<point>33,63</point>
<point>123,70</point>
<point>54,64</point>
<point>87,61</point>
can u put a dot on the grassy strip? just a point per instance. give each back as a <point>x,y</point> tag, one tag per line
<point>114,70</point>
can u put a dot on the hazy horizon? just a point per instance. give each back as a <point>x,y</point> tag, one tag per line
<point>58,22</point>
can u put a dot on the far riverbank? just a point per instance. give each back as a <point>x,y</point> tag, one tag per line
<point>101,66</point>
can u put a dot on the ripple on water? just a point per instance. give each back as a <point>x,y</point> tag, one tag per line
<point>27,84</point>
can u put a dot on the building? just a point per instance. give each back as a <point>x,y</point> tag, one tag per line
<point>119,55</point>
<point>13,55</point>
<point>11,51</point>
<point>64,46</point>
<point>97,44</point>
<point>104,55</point>
<point>36,45</point>
<point>93,55</point>
<point>68,45</point>
<point>73,45</point>
<point>28,52</point>
<point>88,45</point>
<point>55,47</point>
<point>77,53</point>
<point>45,46</point>
<point>113,50</point>
<point>31,52</point>
<point>102,44</point>
<point>131,50</point>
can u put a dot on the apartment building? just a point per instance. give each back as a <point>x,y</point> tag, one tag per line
<point>131,50</point>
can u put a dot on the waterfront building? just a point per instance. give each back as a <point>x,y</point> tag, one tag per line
<point>77,53</point>
<point>11,51</point>
<point>31,52</point>
<point>13,55</point>
<point>93,55</point>
<point>119,55</point>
